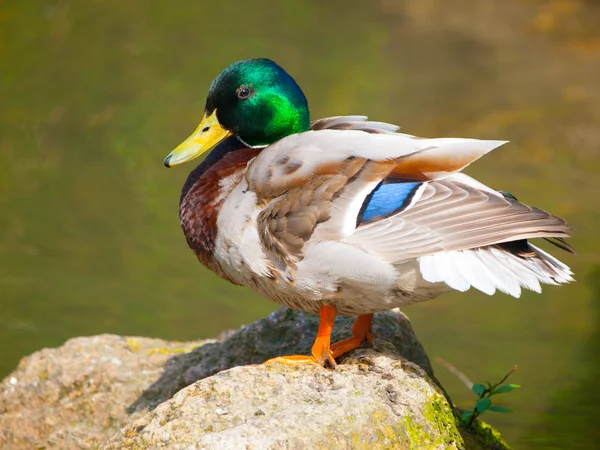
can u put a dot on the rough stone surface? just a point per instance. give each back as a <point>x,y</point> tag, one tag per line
<point>75,396</point>
<point>373,400</point>
<point>213,395</point>
<point>284,332</point>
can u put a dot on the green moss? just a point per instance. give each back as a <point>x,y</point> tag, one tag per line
<point>388,436</point>
<point>170,350</point>
<point>480,435</point>
<point>484,435</point>
<point>438,414</point>
<point>438,429</point>
<point>133,344</point>
<point>415,432</point>
<point>408,433</point>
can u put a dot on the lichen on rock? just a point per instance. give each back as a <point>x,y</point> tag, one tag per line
<point>117,393</point>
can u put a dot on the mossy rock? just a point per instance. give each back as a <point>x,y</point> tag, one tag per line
<point>219,395</point>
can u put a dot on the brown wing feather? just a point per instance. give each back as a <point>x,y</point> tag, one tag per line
<point>451,216</point>
<point>290,219</point>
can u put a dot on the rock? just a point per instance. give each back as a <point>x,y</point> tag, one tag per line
<point>76,396</point>
<point>374,400</point>
<point>214,395</point>
<point>283,332</point>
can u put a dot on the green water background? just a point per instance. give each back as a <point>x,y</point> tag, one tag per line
<point>94,94</point>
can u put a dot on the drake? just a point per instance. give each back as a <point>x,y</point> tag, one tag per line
<point>345,216</point>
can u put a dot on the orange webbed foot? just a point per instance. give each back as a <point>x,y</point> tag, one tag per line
<point>361,332</point>
<point>294,360</point>
<point>325,354</point>
<point>321,352</point>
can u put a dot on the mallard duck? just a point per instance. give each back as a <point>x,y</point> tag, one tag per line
<point>346,216</point>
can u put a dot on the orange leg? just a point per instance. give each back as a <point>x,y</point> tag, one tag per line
<point>361,331</point>
<point>321,353</point>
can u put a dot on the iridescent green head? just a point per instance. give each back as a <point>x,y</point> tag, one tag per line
<point>256,101</point>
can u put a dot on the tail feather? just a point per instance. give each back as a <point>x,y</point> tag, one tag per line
<point>495,268</point>
<point>560,243</point>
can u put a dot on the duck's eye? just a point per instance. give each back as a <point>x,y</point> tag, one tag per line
<point>243,92</point>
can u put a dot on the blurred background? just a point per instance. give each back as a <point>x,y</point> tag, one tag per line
<point>94,94</point>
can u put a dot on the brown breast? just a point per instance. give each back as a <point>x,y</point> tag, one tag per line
<point>203,195</point>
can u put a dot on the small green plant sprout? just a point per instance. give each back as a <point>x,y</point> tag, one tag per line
<point>484,402</point>
<point>484,391</point>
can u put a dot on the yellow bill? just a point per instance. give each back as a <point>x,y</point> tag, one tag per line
<point>208,134</point>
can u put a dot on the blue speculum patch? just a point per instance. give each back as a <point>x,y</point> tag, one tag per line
<point>388,198</point>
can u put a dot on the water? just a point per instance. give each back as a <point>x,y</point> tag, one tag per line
<point>95,94</point>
